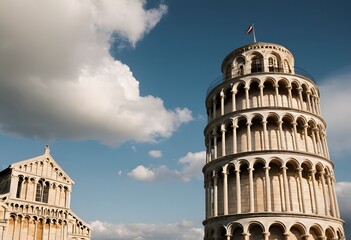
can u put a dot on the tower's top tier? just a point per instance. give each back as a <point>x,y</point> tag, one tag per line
<point>258,57</point>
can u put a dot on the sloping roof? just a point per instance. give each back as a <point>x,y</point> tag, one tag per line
<point>50,168</point>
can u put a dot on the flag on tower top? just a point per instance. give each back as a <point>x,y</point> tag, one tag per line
<point>249,30</point>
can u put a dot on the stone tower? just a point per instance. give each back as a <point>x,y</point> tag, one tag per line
<point>268,174</point>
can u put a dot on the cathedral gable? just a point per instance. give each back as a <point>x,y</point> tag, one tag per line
<point>43,166</point>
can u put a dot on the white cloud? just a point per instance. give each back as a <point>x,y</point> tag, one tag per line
<point>155,153</point>
<point>185,230</point>
<point>142,173</point>
<point>58,80</point>
<point>335,97</point>
<point>191,166</point>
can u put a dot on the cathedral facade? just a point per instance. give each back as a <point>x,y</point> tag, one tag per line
<point>268,173</point>
<point>35,202</point>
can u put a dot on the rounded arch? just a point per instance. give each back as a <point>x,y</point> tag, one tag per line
<point>240,95</point>
<point>329,233</point>
<point>255,230</point>
<point>272,131</point>
<point>269,92</point>
<point>236,230</point>
<point>292,162</point>
<point>286,66</point>
<point>297,231</point>
<point>220,233</point>
<point>276,195</point>
<point>256,60</point>
<point>277,231</point>
<point>316,231</point>
<point>283,92</point>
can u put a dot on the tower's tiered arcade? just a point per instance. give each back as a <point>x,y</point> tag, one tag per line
<point>268,174</point>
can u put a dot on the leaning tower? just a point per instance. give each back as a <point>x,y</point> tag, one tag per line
<point>268,174</point>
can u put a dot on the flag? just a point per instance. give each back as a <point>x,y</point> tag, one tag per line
<point>249,30</point>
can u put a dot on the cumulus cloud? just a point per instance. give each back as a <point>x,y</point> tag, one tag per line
<point>58,80</point>
<point>191,165</point>
<point>184,230</point>
<point>335,97</point>
<point>142,173</point>
<point>155,153</point>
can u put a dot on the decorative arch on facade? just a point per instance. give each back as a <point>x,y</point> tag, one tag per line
<point>297,231</point>
<point>255,231</point>
<point>256,60</point>
<point>276,231</point>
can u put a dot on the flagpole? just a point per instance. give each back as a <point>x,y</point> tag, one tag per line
<point>253,30</point>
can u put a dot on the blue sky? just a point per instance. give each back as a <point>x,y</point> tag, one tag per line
<point>117,89</point>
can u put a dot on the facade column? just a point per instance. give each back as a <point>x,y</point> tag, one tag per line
<point>318,106</point>
<point>289,97</point>
<point>268,190</point>
<point>233,100</point>
<point>276,95</point>
<point>223,130</point>
<point>235,148</point>
<point>265,135</point>
<point>295,135</point>
<point>238,191</point>
<point>246,236</point>
<point>248,125</point>
<point>309,106</point>
<point>318,143</point>
<point>14,227</point>
<point>286,236</point>
<point>305,237</point>
<point>286,188</point>
<point>301,189</point>
<point>247,97</point>
<point>305,127</point>
<point>251,189</point>
<point>280,124</point>
<point>210,197</point>
<point>325,147</point>
<point>314,141</point>
<point>299,89</point>
<point>324,189</point>
<point>215,147</point>
<point>331,197</point>
<point>20,228</point>
<point>321,144</point>
<point>215,195</point>
<point>312,173</point>
<point>222,102</point>
<point>68,198</point>
<point>261,95</point>
<point>315,105</point>
<point>337,212</point>
<point>210,148</point>
<point>266,235</point>
<point>225,193</point>
<point>2,229</point>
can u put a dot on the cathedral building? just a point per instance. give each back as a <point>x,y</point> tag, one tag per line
<point>35,202</point>
<point>268,174</point>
